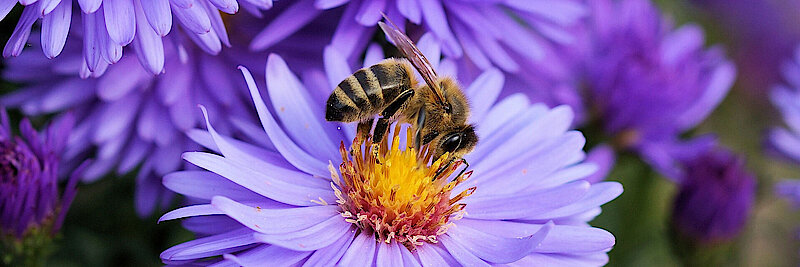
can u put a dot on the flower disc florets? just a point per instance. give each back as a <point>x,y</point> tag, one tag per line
<point>398,194</point>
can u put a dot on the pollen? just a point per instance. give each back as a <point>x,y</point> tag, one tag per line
<point>398,194</point>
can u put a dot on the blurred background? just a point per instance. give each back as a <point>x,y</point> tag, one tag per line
<point>102,228</point>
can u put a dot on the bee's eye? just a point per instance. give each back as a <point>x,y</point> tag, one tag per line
<point>451,143</point>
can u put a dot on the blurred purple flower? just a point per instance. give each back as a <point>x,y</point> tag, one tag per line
<point>790,190</point>
<point>256,204</point>
<point>715,198</point>
<point>761,33</point>
<point>128,116</point>
<point>485,31</point>
<point>648,82</point>
<point>785,142</point>
<point>107,26</point>
<point>29,166</point>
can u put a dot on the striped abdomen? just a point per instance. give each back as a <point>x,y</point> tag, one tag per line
<point>368,91</point>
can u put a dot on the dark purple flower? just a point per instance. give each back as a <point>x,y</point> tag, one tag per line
<point>107,26</point>
<point>31,203</point>
<point>715,198</point>
<point>648,82</point>
<point>290,205</point>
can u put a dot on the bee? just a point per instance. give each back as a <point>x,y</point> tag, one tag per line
<point>438,109</point>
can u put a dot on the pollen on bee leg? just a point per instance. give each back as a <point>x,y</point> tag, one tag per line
<point>389,191</point>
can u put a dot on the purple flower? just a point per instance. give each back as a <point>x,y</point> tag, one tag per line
<point>785,142</point>
<point>31,205</point>
<point>715,198</point>
<point>485,31</point>
<point>649,82</point>
<point>129,118</point>
<point>107,26</point>
<point>290,205</point>
<point>761,33</point>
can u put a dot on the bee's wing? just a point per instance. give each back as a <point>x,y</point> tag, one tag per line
<point>415,56</point>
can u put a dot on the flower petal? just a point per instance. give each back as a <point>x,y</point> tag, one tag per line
<point>410,10</point>
<point>261,183</point>
<point>462,255</point>
<point>227,6</point>
<point>328,4</point>
<point>158,14</point>
<point>369,13</point>
<point>330,254</point>
<point>360,252</point>
<point>148,45</point>
<point>389,255</point>
<point>507,207</point>
<point>210,246</point>
<point>576,239</point>
<point>274,255</point>
<point>497,249</point>
<point>21,32</point>
<point>484,92</point>
<point>293,106</point>
<point>206,185</point>
<point>313,238</point>
<point>55,27</point>
<point>193,18</point>
<point>288,22</point>
<point>599,193</point>
<point>276,221</point>
<point>120,20</point>
<point>190,211</point>
<point>285,146</point>
<point>89,6</point>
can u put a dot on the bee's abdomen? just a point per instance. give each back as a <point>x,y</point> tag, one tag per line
<point>367,92</point>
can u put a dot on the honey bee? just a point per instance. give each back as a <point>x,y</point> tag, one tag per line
<point>438,109</point>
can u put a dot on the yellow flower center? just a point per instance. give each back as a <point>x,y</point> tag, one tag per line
<point>398,194</point>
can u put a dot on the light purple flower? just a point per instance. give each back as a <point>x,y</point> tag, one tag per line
<point>785,142</point>
<point>715,198</point>
<point>260,205</point>
<point>106,26</point>
<point>488,32</point>
<point>29,167</point>
<point>129,118</point>
<point>648,82</point>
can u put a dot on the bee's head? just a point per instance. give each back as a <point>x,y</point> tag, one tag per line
<point>458,143</point>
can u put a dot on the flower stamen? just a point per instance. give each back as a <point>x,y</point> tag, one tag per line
<point>398,194</point>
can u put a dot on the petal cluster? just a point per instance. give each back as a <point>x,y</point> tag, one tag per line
<point>106,26</point>
<point>128,117</point>
<point>649,81</point>
<point>715,198</point>
<point>273,205</point>
<point>29,176</point>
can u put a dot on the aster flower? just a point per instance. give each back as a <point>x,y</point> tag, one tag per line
<point>292,205</point>
<point>490,33</point>
<point>32,209</point>
<point>715,198</point>
<point>784,142</point>
<point>107,26</point>
<point>129,118</point>
<point>648,82</point>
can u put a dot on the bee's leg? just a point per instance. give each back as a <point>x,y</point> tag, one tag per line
<point>363,129</point>
<point>445,167</point>
<point>420,124</point>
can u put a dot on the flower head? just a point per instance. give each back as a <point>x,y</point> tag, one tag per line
<point>129,117</point>
<point>290,205</point>
<point>648,82</point>
<point>715,198</point>
<point>785,142</point>
<point>32,207</point>
<point>107,26</point>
